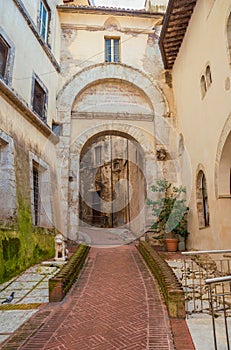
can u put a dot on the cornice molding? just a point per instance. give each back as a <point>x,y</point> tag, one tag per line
<point>111,116</point>
<point>107,11</point>
<point>102,28</point>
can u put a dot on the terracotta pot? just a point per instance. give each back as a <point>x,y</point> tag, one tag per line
<point>171,244</point>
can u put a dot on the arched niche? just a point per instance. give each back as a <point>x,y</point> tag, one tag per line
<point>223,162</point>
<point>112,98</point>
<point>106,72</point>
<point>224,174</point>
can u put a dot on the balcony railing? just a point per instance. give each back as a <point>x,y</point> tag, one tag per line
<point>206,279</point>
<point>219,292</point>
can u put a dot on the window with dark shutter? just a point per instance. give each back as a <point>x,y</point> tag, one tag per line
<point>4,50</point>
<point>39,99</point>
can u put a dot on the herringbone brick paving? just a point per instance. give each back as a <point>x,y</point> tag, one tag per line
<point>115,305</point>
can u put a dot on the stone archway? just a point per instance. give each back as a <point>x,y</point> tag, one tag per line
<point>112,189</point>
<point>104,71</point>
<point>70,145</point>
<point>223,182</point>
<point>222,165</point>
<point>150,171</point>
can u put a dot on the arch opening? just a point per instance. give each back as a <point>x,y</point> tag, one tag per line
<point>112,188</point>
<point>224,173</point>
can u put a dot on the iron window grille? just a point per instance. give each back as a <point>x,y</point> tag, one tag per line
<point>36,193</point>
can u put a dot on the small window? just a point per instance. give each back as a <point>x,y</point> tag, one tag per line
<point>202,200</point>
<point>208,76</point>
<point>228,28</point>
<point>57,128</point>
<point>98,155</point>
<point>43,21</point>
<point>203,86</point>
<point>116,165</point>
<point>112,50</point>
<point>205,202</point>
<point>4,51</point>
<point>39,100</point>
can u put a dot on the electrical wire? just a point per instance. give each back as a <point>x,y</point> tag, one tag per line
<point>87,59</point>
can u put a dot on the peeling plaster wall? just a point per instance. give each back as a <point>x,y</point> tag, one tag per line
<point>25,138</point>
<point>126,97</point>
<point>28,47</point>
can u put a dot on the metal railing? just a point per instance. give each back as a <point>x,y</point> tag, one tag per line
<point>198,269</point>
<point>219,292</point>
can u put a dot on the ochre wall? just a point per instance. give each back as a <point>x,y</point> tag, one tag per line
<point>205,121</point>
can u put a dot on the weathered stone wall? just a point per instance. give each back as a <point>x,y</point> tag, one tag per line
<point>22,244</point>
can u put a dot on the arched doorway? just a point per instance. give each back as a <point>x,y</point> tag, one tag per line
<point>112,183</point>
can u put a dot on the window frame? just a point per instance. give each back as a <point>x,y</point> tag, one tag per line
<point>98,155</point>
<point>114,56</point>
<point>43,23</point>
<point>42,211</point>
<point>8,202</point>
<point>37,82</point>
<point>3,67</point>
<point>36,192</point>
<point>8,71</point>
<point>203,86</point>
<point>208,76</point>
<point>202,200</point>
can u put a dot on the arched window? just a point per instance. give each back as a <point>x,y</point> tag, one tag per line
<point>229,37</point>
<point>208,76</point>
<point>203,86</point>
<point>202,200</point>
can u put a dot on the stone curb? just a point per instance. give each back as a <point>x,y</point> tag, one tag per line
<point>168,283</point>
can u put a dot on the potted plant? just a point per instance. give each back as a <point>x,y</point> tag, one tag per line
<point>170,213</point>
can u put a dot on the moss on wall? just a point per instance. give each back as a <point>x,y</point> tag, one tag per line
<point>19,250</point>
<point>21,244</point>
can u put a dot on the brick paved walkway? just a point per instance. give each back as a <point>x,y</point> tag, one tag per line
<point>114,305</point>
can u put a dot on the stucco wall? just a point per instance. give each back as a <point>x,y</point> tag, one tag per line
<point>203,119</point>
<point>29,57</point>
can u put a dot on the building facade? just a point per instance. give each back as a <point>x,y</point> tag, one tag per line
<point>82,97</point>
<point>29,197</point>
<point>112,88</point>
<point>91,117</point>
<point>195,45</point>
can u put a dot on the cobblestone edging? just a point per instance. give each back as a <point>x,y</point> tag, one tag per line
<point>62,282</point>
<point>168,283</point>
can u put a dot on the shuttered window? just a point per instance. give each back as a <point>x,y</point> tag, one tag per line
<point>4,50</point>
